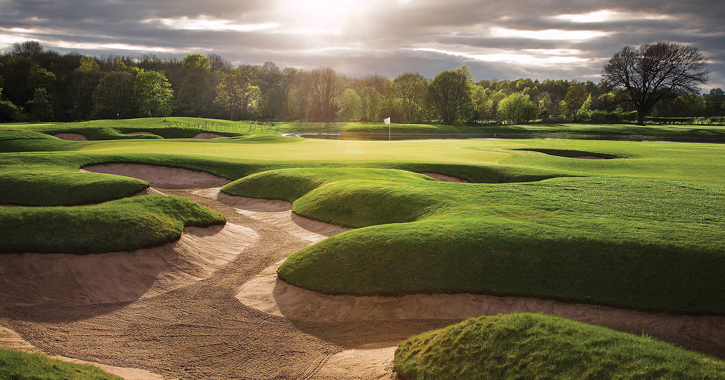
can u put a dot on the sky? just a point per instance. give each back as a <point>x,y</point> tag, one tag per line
<point>545,39</point>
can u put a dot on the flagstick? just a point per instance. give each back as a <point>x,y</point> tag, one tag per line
<point>389,144</point>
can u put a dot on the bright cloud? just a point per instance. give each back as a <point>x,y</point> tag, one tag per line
<point>209,23</point>
<point>529,57</point>
<point>606,15</point>
<point>549,34</point>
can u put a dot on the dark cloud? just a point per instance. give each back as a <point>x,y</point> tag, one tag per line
<point>380,39</point>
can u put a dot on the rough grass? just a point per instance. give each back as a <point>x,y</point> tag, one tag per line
<point>122,225</point>
<point>620,242</point>
<point>17,365</point>
<point>536,346</point>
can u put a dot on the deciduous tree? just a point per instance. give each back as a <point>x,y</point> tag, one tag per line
<point>654,72</point>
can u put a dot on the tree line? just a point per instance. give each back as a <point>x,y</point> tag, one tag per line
<point>41,85</point>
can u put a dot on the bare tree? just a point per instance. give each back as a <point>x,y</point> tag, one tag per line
<point>654,72</point>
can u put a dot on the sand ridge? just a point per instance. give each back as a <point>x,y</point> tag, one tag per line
<point>67,279</point>
<point>160,176</point>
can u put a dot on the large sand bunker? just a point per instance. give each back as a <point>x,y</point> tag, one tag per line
<point>161,176</point>
<point>269,294</point>
<point>65,279</point>
<point>71,136</point>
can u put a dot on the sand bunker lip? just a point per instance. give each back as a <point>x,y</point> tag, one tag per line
<point>71,136</point>
<point>64,279</point>
<point>267,293</point>
<point>277,213</point>
<point>209,135</point>
<point>161,176</point>
<point>446,178</point>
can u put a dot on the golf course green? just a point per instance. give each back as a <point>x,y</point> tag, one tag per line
<point>629,224</point>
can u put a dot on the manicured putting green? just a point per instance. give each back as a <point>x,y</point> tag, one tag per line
<point>536,346</point>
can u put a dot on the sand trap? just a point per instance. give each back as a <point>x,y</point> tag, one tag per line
<point>9,339</point>
<point>446,178</point>
<point>65,279</point>
<point>270,295</point>
<point>277,213</point>
<point>71,136</point>
<point>141,133</point>
<point>208,135</point>
<point>366,362</point>
<point>161,176</point>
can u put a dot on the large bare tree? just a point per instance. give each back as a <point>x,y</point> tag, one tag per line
<point>654,72</point>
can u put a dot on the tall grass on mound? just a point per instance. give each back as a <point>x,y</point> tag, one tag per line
<point>619,241</point>
<point>17,365</point>
<point>53,186</point>
<point>122,225</point>
<point>537,346</point>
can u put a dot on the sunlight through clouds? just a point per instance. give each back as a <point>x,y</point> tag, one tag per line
<point>549,34</point>
<point>209,23</point>
<point>606,15</point>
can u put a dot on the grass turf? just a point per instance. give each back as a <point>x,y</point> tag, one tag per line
<point>536,346</point>
<point>617,231</point>
<point>17,365</point>
<point>122,225</point>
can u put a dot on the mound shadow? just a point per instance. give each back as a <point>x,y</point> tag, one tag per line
<point>579,154</point>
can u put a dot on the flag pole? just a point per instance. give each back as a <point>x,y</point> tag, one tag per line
<point>387,121</point>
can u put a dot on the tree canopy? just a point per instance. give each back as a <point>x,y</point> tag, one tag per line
<point>654,72</point>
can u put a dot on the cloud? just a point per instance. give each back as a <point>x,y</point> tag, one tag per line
<point>553,39</point>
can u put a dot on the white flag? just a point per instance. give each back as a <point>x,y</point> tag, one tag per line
<point>387,121</point>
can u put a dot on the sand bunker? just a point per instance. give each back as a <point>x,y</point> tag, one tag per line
<point>65,279</point>
<point>9,339</point>
<point>71,136</point>
<point>277,213</point>
<point>161,176</point>
<point>446,178</point>
<point>141,133</point>
<point>268,294</point>
<point>208,135</point>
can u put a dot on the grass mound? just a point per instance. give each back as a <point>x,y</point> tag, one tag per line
<point>536,346</point>
<point>620,242</point>
<point>53,186</point>
<point>574,153</point>
<point>17,365</point>
<point>122,225</point>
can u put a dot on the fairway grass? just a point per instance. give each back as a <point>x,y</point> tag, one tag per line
<point>640,230</point>
<point>17,365</point>
<point>536,346</point>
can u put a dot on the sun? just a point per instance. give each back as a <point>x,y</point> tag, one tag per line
<point>323,16</point>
